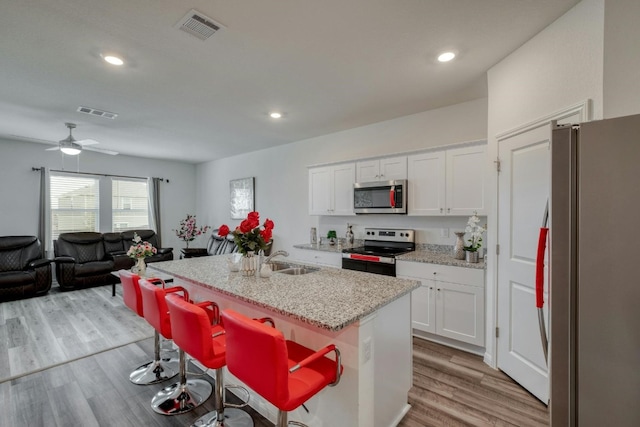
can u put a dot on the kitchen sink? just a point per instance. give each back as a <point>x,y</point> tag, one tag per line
<point>278,266</point>
<point>297,271</point>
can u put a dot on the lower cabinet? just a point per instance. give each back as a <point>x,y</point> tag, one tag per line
<point>449,302</point>
<point>326,259</point>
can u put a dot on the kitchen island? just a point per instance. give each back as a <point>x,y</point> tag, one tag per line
<point>367,316</point>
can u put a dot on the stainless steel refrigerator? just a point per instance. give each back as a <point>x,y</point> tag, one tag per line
<point>595,274</point>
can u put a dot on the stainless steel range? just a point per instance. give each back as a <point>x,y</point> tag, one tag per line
<point>378,255</point>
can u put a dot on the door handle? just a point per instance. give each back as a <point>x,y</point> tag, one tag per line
<point>392,196</point>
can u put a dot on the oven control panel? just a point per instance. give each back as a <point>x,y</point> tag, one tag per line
<point>389,234</point>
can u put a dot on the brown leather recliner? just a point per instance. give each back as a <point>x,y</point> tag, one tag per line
<point>24,272</point>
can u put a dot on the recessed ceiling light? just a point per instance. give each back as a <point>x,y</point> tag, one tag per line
<point>113,60</point>
<point>275,115</point>
<point>446,56</point>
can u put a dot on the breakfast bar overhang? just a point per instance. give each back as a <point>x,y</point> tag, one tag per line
<point>367,316</point>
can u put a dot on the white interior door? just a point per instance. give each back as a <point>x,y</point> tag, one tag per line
<point>523,190</point>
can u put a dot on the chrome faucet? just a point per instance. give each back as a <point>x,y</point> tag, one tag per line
<point>276,253</point>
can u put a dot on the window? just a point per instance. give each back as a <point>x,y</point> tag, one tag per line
<point>97,203</point>
<point>129,204</point>
<point>74,204</point>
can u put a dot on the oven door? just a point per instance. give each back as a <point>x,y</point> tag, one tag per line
<point>380,197</point>
<point>385,269</point>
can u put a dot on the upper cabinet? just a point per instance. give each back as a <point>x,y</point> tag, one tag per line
<point>448,182</point>
<point>386,169</point>
<point>331,189</point>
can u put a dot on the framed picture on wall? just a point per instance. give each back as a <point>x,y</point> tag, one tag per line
<point>241,197</point>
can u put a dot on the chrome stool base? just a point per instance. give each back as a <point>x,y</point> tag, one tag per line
<point>232,418</point>
<point>181,397</point>
<point>154,372</point>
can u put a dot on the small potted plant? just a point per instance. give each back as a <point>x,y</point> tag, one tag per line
<point>332,236</point>
<point>475,241</point>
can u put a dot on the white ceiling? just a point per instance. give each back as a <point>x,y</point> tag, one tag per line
<point>329,65</point>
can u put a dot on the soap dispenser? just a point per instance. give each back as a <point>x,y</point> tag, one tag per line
<point>349,234</point>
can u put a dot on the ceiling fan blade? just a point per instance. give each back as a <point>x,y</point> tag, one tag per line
<point>88,141</point>
<point>101,150</point>
<point>52,148</point>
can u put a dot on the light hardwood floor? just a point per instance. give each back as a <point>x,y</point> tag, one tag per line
<point>451,387</point>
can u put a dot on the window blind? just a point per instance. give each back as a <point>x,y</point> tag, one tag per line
<point>129,204</point>
<point>74,204</point>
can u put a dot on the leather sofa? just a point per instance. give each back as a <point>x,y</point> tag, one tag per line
<point>24,272</point>
<point>86,259</point>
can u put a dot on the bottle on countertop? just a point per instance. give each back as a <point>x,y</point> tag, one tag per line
<point>349,234</point>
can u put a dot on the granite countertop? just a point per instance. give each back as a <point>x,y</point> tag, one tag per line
<point>329,298</point>
<point>426,253</point>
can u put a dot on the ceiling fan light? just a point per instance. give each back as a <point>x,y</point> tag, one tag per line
<point>70,148</point>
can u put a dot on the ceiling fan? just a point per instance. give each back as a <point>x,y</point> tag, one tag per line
<point>73,147</point>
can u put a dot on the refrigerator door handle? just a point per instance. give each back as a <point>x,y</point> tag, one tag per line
<point>542,246</point>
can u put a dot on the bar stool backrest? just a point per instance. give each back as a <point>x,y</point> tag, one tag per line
<point>156,311</point>
<point>191,330</point>
<point>131,291</point>
<point>257,355</point>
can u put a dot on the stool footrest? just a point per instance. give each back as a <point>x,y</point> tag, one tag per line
<point>179,398</point>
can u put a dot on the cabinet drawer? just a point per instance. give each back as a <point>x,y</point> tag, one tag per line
<point>442,273</point>
<point>317,257</point>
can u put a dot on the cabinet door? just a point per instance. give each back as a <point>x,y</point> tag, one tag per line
<point>466,181</point>
<point>393,168</point>
<point>320,191</point>
<point>343,179</point>
<point>423,316</point>
<point>368,171</point>
<point>426,182</point>
<point>460,312</point>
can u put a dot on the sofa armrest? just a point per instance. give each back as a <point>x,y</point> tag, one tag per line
<point>115,253</point>
<point>164,250</point>
<point>65,259</point>
<point>38,263</point>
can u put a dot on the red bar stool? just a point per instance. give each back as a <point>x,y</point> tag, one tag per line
<point>184,395</point>
<point>157,370</point>
<point>193,332</point>
<point>285,373</point>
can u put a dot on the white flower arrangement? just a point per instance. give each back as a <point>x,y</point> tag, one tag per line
<point>475,242</point>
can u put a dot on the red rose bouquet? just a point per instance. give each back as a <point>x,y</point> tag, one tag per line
<point>249,235</point>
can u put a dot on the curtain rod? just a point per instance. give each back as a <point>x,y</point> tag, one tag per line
<point>99,174</point>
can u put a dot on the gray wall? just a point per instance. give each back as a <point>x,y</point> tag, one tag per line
<point>282,179</point>
<point>20,186</point>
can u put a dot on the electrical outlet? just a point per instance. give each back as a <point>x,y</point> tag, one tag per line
<point>444,232</point>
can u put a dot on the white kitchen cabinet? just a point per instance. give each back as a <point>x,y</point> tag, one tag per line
<point>386,169</point>
<point>426,182</point>
<point>466,180</point>
<point>323,258</point>
<point>448,182</point>
<point>331,189</point>
<point>449,302</point>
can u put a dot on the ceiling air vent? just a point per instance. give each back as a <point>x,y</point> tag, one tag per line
<point>198,25</point>
<point>96,112</point>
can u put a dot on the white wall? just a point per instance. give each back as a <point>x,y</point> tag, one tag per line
<point>559,67</point>
<point>282,181</point>
<point>621,58</point>
<point>20,186</point>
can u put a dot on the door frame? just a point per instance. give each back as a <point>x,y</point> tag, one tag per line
<point>576,113</point>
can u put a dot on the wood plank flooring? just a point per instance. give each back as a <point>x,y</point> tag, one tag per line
<point>37,333</point>
<point>451,387</point>
<point>455,388</point>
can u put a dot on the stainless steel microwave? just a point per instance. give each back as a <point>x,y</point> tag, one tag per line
<point>383,197</point>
